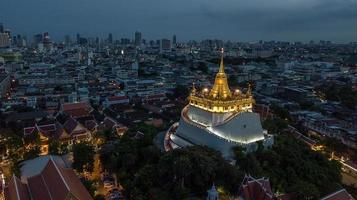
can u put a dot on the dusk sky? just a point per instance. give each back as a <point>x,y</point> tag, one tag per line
<point>237,20</point>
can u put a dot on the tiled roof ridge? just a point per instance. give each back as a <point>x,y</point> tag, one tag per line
<point>248,177</point>
<point>59,172</point>
<point>46,186</point>
<point>16,188</point>
<point>332,194</point>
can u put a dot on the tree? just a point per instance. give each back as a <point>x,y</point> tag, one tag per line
<point>186,172</point>
<point>334,145</point>
<point>63,149</point>
<point>54,147</point>
<point>239,153</point>
<point>89,186</point>
<point>305,190</point>
<point>334,92</point>
<point>275,125</point>
<point>32,153</point>
<point>304,170</point>
<point>281,112</point>
<point>83,157</point>
<point>181,91</point>
<point>15,167</point>
<point>203,67</point>
<point>354,157</point>
<point>99,197</point>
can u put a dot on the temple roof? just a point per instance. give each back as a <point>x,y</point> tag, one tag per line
<point>220,98</point>
<point>46,178</point>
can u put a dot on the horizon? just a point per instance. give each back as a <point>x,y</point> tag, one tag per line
<point>238,20</point>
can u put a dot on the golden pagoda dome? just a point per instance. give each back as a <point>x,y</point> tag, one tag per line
<point>220,98</point>
<point>220,89</point>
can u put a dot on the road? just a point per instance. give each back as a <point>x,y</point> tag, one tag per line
<point>349,171</point>
<point>348,179</point>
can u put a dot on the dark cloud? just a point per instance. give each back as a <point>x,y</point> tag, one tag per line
<point>241,20</point>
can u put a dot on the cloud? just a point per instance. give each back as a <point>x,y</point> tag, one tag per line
<point>242,20</point>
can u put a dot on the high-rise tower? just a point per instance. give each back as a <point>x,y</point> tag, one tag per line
<point>138,38</point>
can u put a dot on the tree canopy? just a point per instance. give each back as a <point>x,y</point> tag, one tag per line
<point>83,157</point>
<point>293,168</point>
<point>184,173</point>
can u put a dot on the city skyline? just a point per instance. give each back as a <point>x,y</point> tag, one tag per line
<point>227,20</point>
<point>168,99</point>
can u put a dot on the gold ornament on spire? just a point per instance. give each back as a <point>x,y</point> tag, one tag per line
<point>249,92</point>
<point>193,91</point>
<point>220,89</point>
<point>220,99</point>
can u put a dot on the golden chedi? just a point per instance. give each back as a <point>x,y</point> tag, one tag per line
<point>218,118</point>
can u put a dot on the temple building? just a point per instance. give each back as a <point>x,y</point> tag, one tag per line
<point>218,118</point>
<point>46,178</point>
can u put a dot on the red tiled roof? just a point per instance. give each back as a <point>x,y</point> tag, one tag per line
<point>331,121</point>
<point>117,98</point>
<point>90,124</point>
<point>70,125</point>
<point>79,132</point>
<point>29,130</point>
<point>156,96</point>
<point>338,195</point>
<point>15,190</point>
<point>74,106</point>
<point>48,130</point>
<point>38,187</point>
<point>77,112</point>
<point>59,130</point>
<point>109,123</point>
<point>47,127</point>
<point>76,109</point>
<point>256,189</point>
<point>57,183</point>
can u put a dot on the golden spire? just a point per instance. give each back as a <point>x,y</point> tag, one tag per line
<point>220,99</point>
<point>249,89</point>
<point>220,88</point>
<point>193,91</point>
<point>221,66</point>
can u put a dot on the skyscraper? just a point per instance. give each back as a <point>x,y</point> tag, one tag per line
<point>4,40</point>
<point>174,41</point>
<point>110,38</point>
<point>165,45</point>
<point>67,40</point>
<point>137,40</point>
<point>78,37</point>
<point>1,28</point>
<point>158,43</point>
<point>47,40</point>
<point>37,39</point>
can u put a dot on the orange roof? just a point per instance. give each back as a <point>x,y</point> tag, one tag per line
<point>156,95</point>
<point>117,98</point>
<point>74,106</point>
<point>16,190</point>
<point>56,182</point>
<point>76,109</point>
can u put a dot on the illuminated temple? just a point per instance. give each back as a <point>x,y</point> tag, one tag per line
<point>218,118</point>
